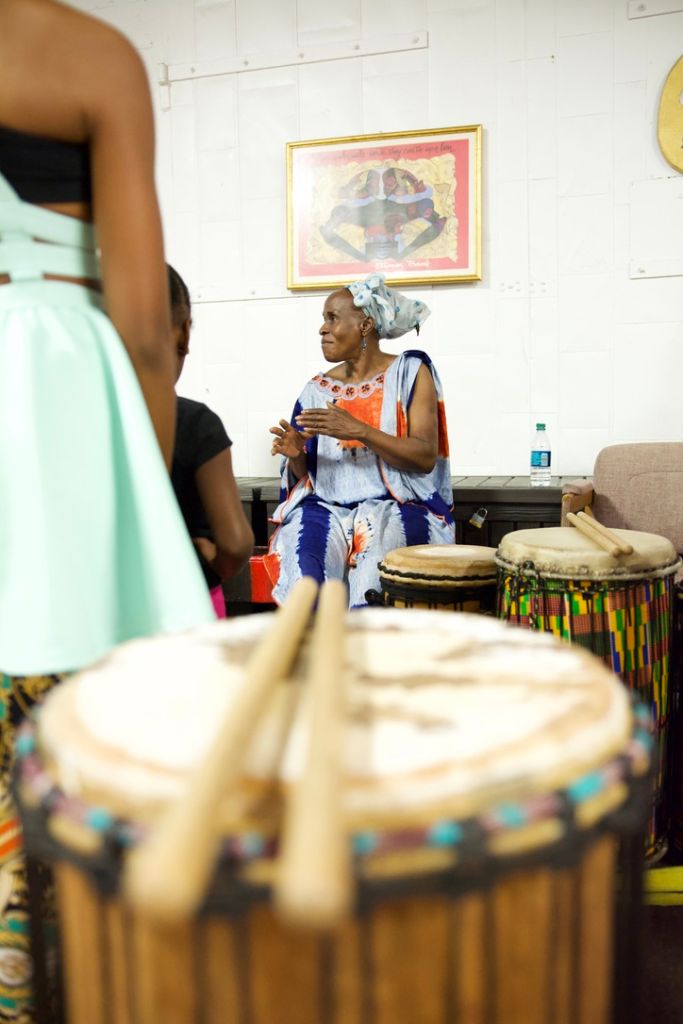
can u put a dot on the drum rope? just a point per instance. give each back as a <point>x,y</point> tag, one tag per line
<point>390,573</point>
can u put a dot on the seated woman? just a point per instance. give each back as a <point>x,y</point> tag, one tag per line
<point>201,471</point>
<point>366,455</point>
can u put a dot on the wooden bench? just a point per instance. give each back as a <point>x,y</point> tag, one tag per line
<point>509,503</point>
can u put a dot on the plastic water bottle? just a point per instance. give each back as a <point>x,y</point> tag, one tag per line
<point>539,475</point>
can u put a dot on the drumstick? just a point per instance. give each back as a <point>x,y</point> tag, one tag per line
<point>625,549</point>
<point>584,526</point>
<point>167,874</point>
<point>313,884</point>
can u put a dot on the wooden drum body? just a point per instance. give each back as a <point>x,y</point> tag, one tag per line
<point>484,843</point>
<point>448,577</point>
<point>620,608</point>
<point>432,958</point>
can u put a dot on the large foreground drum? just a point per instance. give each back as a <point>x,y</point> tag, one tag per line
<point>490,777</point>
<point>450,577</point>
<point>559,581</point>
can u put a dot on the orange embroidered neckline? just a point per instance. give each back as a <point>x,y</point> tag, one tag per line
<point>363,389</point>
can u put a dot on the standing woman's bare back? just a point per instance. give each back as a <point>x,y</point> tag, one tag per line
<point>93,549</point>
<point>66,76</point>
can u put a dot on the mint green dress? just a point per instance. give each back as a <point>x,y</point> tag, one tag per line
<point>93,548</point>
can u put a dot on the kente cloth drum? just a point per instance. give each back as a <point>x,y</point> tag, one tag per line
<point>557,580</point>
<point>675,765</point>
<point>451,577</point>
<point>489,777</point>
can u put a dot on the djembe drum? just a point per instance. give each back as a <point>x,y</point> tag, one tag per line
<point>675,756</point>
<point>557,580</point>
<point>450,577</point>
<point>489,776</point>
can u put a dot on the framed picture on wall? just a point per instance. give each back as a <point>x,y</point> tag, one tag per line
<point>407,204</point>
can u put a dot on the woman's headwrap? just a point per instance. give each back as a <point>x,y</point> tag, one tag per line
<point>394,314</point>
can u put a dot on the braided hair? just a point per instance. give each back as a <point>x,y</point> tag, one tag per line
<point>178,291</point>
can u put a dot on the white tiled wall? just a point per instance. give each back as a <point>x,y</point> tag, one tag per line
<point>567,91</point>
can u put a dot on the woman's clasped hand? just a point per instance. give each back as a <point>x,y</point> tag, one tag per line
<point>333,422</point>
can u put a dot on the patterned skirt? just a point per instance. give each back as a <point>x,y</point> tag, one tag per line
<point>18,694</point>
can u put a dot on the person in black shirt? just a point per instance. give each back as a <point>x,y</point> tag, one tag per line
<point>201,471</point>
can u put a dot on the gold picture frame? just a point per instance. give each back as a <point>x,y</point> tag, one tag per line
<point>406,204</point>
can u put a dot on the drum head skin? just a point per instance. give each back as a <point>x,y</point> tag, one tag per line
<point>566,553</point>
<point>422,738</point>
<point>434,565</point>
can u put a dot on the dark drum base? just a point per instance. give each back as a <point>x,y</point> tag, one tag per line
<point>676,732</point>
<point>456,598</point>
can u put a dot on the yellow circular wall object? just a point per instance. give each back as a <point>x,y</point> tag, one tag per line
<point>670,123</point>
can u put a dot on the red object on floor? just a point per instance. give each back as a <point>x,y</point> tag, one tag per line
<point>261,584</point>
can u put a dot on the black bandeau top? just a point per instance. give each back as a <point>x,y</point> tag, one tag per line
<point>43,170</point>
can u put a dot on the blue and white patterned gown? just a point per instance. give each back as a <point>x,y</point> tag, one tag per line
<point>351,507</point>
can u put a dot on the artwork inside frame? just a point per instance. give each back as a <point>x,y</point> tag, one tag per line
<point>405,204</point>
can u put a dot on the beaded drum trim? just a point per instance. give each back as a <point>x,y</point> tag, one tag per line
<point>509,829</point>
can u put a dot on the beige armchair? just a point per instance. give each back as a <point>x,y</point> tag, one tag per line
<point>634,487</point>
